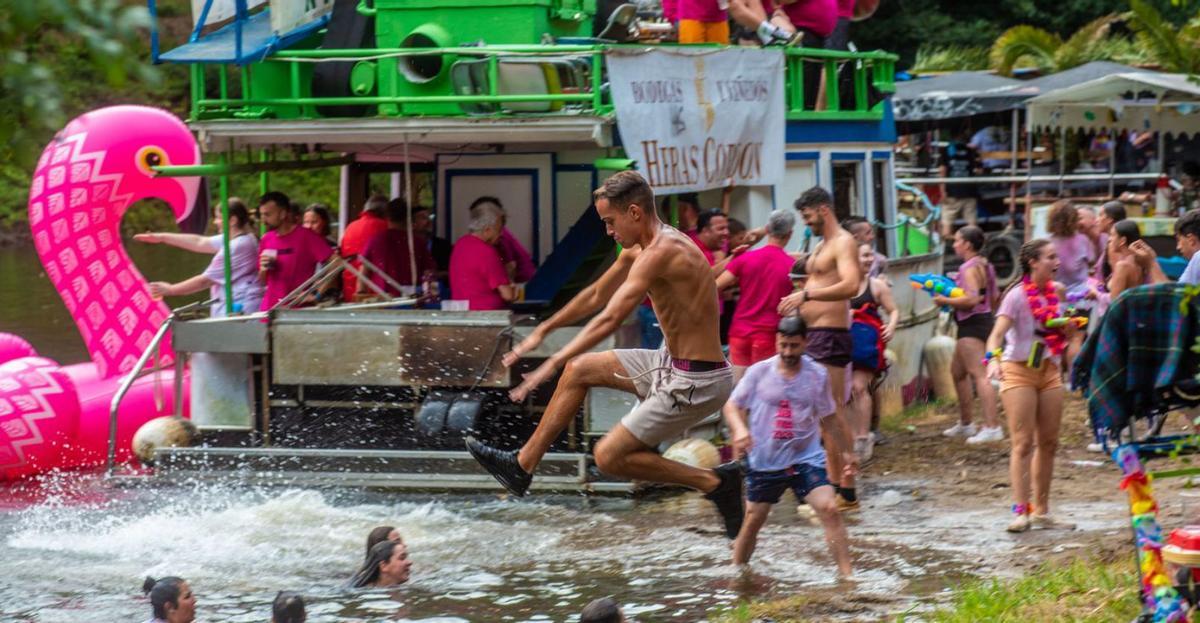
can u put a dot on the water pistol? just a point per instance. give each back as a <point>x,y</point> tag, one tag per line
<point>935,285</point>
<point>1062,321</point>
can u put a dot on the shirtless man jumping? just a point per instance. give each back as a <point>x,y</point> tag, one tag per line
<point>678,386</point>
<point>824,303</point>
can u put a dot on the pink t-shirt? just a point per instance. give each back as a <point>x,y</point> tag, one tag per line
<point>700,11</point>
<point>298,254</point>
<point>511,250</point>
<point>475,272</point>
<point>1075,260</point>
<point>845,8</point>
<point>708,255</point>
<point>1020,337</point>
<point>815,16</point>
<point>670,9</point>
<point>763,279</point>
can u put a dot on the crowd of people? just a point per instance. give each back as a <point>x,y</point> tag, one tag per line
<point>390,244</point>
<point>803,347</point>
<point>813,23</point>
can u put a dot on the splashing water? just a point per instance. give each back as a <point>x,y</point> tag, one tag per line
<point>80,551</point>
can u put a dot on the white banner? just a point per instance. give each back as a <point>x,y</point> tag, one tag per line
<point>220,10</point>
<point>288,15</point>
<point>703,118</point>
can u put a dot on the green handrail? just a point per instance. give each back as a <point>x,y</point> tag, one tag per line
<point>873,69</point>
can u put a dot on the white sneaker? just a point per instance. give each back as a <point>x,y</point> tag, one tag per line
<point>1048,522</point>
<point>987,435</point>
<point>961,430</point>
<point>1095,446</point>
<point>1020,523</point>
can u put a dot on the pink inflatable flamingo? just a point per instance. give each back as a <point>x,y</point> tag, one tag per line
<point>55,416</point>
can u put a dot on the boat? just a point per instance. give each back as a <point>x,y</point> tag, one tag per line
<point>513,99</point>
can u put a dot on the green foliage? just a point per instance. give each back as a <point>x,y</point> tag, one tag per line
<point>1095,41</point>
<point>905,26</point>
<point>1174,48</point>
<point>951,58</point>
<point>46,43</point>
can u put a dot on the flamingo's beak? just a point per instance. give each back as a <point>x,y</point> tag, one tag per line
<point>194,219</point>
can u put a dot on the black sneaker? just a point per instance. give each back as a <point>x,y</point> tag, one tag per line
<point>728,497</point>
<point>502,465</point>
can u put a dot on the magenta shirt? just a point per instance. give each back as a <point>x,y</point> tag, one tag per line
<point>512,251</point>
<point>298,254</point>
<point>763,279</point>
<point>815,16</point>
<point>476,270</point>
<point>1019,338</point>
<point>388,250</point>
<point>700,11</point>
<point>670,9</point>
<point>989,289</point>
<point>845,8</point>
<point>1075,259</point>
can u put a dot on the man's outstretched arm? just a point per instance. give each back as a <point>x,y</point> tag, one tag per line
<point>580,306</point>
<point>627,297</point>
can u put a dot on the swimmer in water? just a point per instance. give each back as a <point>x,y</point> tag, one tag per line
<point>380,534</point>
<point>288,608</point>
<point>834,276</point>
<point>171,600</point>
<point>679,385</point>
<point>387,564</point>
<point>603,610</point>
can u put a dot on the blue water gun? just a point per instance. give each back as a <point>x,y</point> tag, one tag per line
<point>935,285</point>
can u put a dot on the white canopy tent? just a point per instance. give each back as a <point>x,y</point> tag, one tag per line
<point>1139,102</point>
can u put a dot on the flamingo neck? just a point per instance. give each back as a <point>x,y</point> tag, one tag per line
<point>74,213</point>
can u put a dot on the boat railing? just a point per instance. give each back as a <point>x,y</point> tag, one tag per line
<point>233,92</point>
<point>132,376</point>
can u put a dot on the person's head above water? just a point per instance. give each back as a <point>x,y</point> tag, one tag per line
<point>625,203</point>
<point>288,608</point>
<point>603,610</point>
<point>380,534</point>
<point>171,599</point>
<point>387,564</point>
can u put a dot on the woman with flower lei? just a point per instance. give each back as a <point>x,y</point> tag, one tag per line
<point>1031,389</point>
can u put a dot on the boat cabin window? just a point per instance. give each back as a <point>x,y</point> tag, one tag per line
<point>846,198</point>
<point>880,188</point>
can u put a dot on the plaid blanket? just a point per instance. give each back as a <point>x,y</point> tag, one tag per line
<point>1141,347</point>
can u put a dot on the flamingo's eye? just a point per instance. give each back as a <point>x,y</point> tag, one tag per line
<point>149,157</point>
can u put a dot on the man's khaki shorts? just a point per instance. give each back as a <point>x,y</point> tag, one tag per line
<point>953,206</point>
<point>672,400</point>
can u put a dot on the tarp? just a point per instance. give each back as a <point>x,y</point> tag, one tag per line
<point>702,118</point>
<point>963,94</point>
<point>1140,101</point>
<point>952,95</point>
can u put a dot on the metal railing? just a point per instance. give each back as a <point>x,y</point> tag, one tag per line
<point>870,70</point>
<point>132,376</point>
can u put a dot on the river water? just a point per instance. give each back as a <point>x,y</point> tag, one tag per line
<point>30,306</point>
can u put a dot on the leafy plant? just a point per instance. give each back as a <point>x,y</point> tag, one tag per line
<point>1051,53</point>
<point>951,58</point>
<point>1174,48</point>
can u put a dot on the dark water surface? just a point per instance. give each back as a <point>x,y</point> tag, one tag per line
<point>30,306</point>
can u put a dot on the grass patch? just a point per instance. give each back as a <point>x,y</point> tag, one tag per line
<point>785,610</point>
<point>1085,591</point>
<point>911,414</point>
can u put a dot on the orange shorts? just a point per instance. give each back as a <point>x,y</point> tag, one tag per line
<point>695,31</point>
<point>1039,379</point>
